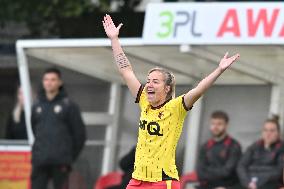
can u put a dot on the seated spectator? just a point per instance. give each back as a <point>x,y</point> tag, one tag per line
<point>262,164</point>
<point>127,165</point>
<point>16,125</point>
<point>219,156</point>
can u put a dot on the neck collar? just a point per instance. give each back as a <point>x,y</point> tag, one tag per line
<point>161,105</point>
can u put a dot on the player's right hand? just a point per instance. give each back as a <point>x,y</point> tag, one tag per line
<point>111,30</point>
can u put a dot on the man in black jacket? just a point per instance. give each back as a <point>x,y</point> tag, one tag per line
<point>59,133</point>
<point>261,165</point>
<point>219,156</point>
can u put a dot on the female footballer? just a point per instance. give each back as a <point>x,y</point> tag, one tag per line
<point>162,116</point>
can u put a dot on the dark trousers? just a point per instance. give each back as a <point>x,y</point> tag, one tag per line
<point>57,173</point>
<point>236,186</point>
<point>269,185</point>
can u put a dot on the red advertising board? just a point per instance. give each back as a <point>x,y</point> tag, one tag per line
<point>15,169</point>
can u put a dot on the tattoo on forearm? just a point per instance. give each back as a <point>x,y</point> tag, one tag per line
<point>122,61</point>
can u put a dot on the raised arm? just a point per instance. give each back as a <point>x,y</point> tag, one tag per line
<point>124,66</point>
<point>193,95</point>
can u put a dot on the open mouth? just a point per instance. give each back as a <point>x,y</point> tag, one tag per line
<point>150,91</point>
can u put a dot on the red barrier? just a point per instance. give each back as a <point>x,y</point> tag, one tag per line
<point>15,169</point>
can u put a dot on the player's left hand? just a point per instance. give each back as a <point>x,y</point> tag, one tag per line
<point>228,61</point>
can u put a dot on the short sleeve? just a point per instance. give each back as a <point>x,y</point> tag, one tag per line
<point>179,104</point>
<point>141,97</point>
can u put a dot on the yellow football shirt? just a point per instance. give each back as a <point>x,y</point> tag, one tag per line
<point>159,132</point>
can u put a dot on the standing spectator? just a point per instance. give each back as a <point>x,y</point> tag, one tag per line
<point>59,133</point>
<point>262,164</point>
<point>16,125</point>
<point>219,156</point>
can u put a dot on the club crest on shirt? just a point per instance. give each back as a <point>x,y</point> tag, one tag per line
<point>273,154</point>
<point>223,154</point>
<point>57,109</point>
<point>161,114</point>
<point>38,110</point>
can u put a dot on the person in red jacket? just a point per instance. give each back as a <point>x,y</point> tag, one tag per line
<point>262,164</point>
<point>219,156</point>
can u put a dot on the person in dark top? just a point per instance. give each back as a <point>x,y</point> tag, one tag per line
<point>219,156</point>
<point>16,125</point>
<point>59,133</point>
<point>127,165</point>
<point>261,165</point>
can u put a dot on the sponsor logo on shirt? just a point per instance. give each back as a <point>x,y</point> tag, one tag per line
<point>152,127</point>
